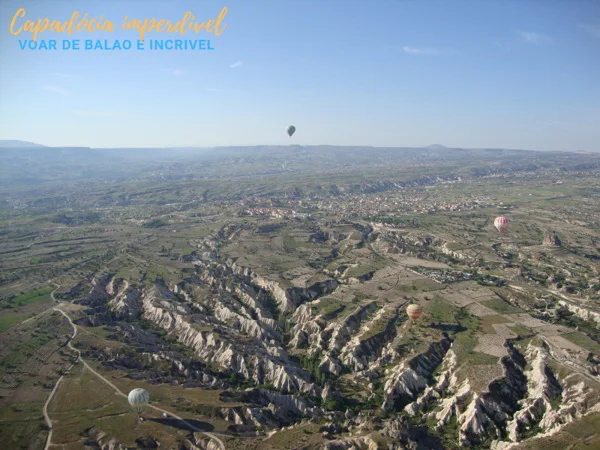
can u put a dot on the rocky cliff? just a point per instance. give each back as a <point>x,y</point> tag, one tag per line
<point>529,395</point>
<point>581,311</point>
<point>286,354</point>
<point>258,361</point>
<point>551,239</point>
<point>410,378</point>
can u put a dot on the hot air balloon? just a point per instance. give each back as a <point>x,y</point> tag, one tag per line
<point>291,130</point>
<point>414,311</point>
<point>138,399</point>
<point>501,224</point>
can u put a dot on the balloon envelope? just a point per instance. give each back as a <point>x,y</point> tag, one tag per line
<point>501,224</point>
<point>291,130</point>
<point>138,399</point>
<point>414,311</point>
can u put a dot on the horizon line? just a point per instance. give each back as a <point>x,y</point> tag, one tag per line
<point>193,147</point>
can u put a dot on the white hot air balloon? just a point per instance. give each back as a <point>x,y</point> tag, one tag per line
<point>138,399</point>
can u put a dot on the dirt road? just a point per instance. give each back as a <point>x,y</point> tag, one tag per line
<point>87,366</point>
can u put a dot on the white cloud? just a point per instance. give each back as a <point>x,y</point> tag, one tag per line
<point>534,38</point>
<point>420,51</point>
<point>94,113</point>
<point>428,50</point>
<point>174,72</point>
<point>236,64</point>
<point>57,90</point>
<point>592,30</point>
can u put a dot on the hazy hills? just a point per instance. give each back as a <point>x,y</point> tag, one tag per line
<point>18,144</point>
<point>31,164</point>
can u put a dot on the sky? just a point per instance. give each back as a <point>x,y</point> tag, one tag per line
<point>502,74</point>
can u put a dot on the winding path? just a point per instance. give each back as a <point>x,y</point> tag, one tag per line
<point>117,390</point>
<point>45,410</point>
<point>51,396</point>
<point>31,318</point>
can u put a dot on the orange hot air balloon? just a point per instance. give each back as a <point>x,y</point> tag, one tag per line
<point>414,311</point>
<point>501,224</point>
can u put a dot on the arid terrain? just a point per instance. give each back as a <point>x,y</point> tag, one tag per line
<point>259,295</point>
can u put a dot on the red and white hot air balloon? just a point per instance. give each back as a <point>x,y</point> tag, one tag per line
<point>414,311</point>
<point>501,224</point>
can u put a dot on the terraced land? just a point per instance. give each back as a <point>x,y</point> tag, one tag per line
<point>268,310</point>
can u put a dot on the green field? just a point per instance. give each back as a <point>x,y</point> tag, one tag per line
<point>329,306</point>
<point>521,330</point>
<point>22,426</point>
<point>27,298</point>
<point>583,341</point>
<point>9,321</point>
<point>441,310</point>
<point>502,307</point>
<point>486,323</point>
<point>426,285</point>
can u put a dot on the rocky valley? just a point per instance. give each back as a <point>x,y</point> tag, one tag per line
<point>261,314</point>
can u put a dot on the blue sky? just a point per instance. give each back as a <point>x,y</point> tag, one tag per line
<point>511,74</point>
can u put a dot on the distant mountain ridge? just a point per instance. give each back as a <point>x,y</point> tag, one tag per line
<point>138,151</point>
<point>19,144</point>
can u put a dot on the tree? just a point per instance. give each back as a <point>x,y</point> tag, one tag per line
<point>332,404</point>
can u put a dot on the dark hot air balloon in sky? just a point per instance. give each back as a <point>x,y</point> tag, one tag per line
<point>291,130</point>
<point>501,224</point>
